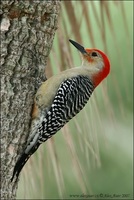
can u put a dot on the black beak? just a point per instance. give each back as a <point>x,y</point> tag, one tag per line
<point>79,47</point>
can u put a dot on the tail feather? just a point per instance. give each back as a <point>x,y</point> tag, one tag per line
<point>22,161</point>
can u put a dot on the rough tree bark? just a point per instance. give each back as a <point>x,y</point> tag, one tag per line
<point>27,32</point>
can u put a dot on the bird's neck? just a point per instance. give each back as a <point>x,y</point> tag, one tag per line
<point>97,78</point>
<point>96,75</point>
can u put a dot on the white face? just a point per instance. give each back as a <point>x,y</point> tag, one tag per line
<point>93,61</point>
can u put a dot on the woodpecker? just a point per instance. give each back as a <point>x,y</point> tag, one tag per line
<point>61,97</point>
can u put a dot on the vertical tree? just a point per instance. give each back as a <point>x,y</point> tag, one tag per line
<point>27,32</point>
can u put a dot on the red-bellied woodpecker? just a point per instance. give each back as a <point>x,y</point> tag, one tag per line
<point>61,97</point>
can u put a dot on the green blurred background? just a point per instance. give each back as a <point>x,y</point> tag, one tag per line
<point>91,157</point>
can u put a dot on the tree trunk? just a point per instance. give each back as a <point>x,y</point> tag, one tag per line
<point>27,32</point>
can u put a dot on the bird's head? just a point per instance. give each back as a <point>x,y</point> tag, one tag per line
<point>95,61</point>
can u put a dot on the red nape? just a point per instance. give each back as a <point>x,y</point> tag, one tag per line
<point>97,78</point>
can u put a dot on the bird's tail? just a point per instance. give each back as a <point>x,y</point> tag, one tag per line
<point>22,160</point>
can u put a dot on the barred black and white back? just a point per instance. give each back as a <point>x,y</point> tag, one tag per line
<point>71,97</point>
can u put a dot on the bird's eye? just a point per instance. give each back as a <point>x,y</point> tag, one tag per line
<point>94,54</point>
